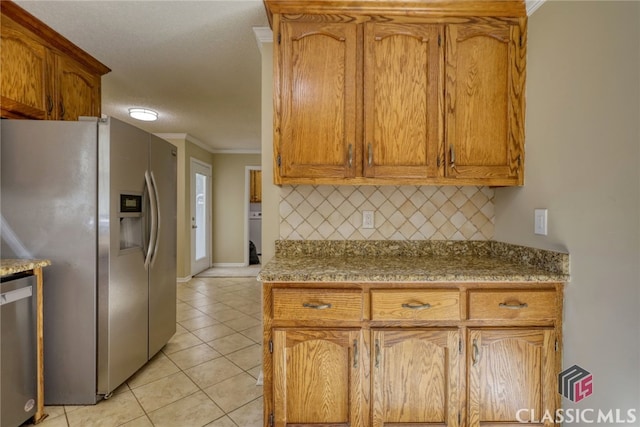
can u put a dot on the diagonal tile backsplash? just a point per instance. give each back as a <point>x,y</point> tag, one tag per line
<point>329,212</point>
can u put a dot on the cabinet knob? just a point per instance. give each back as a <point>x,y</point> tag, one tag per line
<point>350,155</point>
<point>370,147</point>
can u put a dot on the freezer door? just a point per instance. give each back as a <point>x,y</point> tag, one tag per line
<point>162,274</point>
<point>49,209</point>
<point>122,280</point>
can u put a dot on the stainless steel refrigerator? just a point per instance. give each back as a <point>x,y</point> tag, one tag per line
<point>98,198</point>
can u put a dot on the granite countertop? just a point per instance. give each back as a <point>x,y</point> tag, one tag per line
<point>422,261</point>
<point>13,266</point>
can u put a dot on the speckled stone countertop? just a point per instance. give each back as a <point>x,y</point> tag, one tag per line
<point>413,261</point>
<point>13,266</point>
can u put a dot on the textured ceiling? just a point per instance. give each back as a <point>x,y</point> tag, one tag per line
<point>195,62</point>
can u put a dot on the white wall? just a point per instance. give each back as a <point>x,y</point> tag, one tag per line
<point>582,163</point>
<point>270,192</point>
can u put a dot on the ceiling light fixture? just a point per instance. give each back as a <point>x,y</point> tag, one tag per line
<point>143,114</point>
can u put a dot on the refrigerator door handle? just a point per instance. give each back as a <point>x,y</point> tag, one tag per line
<point>158,219</point>
<point>154,220</point>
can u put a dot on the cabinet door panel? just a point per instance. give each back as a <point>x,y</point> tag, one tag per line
<point>23,81</point>
<point>510,370</point>
<point>484,103</point>
<point>416,377</point>
<point>403,100</point>
<point>78,90</point>
<point>317,377</point>
<point>318,134</point>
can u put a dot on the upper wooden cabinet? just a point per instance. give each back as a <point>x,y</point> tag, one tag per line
<point>422,92</point>
<point>485,101</point>
<point>318,94</point>
<point>42,74</point>
<point>255,186</point>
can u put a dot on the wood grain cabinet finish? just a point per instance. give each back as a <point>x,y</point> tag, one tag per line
<point>317,377</point>
<point>410,354</point>
<point>78,90</point>
<point>485,68</point>
<point>23,76</point>
<point>318,87</point>
<point>43,75</point>
<point>402,91</point>
<point>416,377</point>
<point>510,370</point>
<point>255,186</point>
<point>365,93</point>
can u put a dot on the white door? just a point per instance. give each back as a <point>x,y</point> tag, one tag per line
<point>200,216</point>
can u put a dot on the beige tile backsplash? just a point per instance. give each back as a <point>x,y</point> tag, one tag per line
<point>329,212</point>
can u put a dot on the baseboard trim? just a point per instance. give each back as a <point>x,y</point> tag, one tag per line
<point>229,264</point>
<point>184,279</point>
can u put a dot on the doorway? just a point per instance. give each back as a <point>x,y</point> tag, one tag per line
<point>200,216</point>
<point>253,215</point>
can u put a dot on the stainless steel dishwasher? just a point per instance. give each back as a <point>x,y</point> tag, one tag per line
<point>18,374</point>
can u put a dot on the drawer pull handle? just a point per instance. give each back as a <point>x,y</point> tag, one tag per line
<point>355,353</point>
<point>513,306</point>
<point>416,306</point>
<point>316,306</point>
<point>476,353</point>
<point>377,354</point>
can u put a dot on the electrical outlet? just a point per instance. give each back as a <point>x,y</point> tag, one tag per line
<point>540,221</point>
<point>367,219</point>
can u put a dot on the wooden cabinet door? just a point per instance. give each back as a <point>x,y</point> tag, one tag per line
<point>416,377</point>
<point>402,100</point>
<point>485,74</point>
<point>23,76</point>
<point>78,90</point>
<point>255,186</point>
<point>318,105</point>
<point>511,370</point>
<point>317,377</point>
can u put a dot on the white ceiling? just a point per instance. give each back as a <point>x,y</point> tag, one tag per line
<point>195,62</point>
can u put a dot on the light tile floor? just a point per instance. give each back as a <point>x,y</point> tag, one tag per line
<point>205,376</point>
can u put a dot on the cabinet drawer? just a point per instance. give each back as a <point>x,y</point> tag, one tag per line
<point>525,305</point>
<point>433,304</point>
<point>317,304</point>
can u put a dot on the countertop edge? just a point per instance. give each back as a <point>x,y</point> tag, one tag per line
<point>10,266</point>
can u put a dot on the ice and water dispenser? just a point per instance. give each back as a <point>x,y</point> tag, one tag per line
<point>131,222</point>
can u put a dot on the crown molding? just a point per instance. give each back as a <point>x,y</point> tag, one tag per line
<point>263,35</point>
<point>191,139</point>
<point>533,5</point>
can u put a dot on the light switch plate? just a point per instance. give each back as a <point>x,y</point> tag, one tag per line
<point>540,221</point>
<point>367,219</point>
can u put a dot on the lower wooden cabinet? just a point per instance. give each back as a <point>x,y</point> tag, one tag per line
<point>368,354</point>
<point>415,377</point>
<point>510,370</point>
<point>317,377</point>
